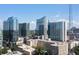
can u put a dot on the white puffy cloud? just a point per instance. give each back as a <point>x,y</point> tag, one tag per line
<point>57,16</point>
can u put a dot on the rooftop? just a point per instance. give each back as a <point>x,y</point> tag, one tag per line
<point>26,48</point>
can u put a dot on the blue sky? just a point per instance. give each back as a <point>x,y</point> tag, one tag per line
<point>31,12</point>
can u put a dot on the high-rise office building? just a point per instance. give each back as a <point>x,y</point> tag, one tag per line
<point>42,27</point>
<point>57,31</point>
<point>23,29</point>
<point>10,31</point>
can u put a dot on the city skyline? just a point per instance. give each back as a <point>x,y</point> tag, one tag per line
<point>39,29</point>
<point>32,12</point>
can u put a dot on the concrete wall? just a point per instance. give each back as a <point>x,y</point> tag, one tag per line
<point>32,42</point>
<point>63,49</point>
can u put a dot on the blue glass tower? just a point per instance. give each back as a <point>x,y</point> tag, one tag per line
<point>42,27</point>
<point>57,31</point>
<point>10,31</point>
<point>23,29</point>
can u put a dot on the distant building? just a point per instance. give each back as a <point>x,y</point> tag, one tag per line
<point>1,38</point>
<point>57,31</point>
<point>10,31</point>
<point>23,29</point>
<point>74,35</point>
<point>42,27</point>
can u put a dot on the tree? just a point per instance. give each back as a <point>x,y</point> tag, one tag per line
<point>4,51</point>
<point>76,50</point>
<point>41,51</point>
<point>14,48</point>
<point>0,51</point>
<point>32,33</point>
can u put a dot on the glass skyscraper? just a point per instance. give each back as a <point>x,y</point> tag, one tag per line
<point>23,29</point>
<point>57,31</point>
<point>42,26</point>
<point>10,31</point>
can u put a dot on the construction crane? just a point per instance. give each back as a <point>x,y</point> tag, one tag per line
<point>70,16</point>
